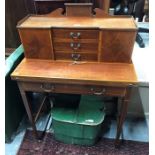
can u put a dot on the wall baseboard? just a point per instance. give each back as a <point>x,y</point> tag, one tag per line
<point>134,114</point>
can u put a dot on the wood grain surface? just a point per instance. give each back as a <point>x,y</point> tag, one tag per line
<point>78,22</point>
<point>37,43</point>
<point>56,71</point>
<point>117,46</point>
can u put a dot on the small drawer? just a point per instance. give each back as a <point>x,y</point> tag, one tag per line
<point>74,89</point>
<point>76,47</point>
<point>76,56</point>
<point>75,34</point>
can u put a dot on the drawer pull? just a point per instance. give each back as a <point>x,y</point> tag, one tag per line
<point>75,46</point>
<point>102,92</point>
<point>75,35</point>
<point>76,56</point>
<point>47,88</point>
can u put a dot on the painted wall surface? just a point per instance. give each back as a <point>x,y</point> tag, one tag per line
<point>139,103</point>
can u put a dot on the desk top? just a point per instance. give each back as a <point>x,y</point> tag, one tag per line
<point>36,21</point>
<point>66,72</point>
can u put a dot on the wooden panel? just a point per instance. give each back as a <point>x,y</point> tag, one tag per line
<point>84,47</point>
<point>14,11</point>
<point>82,56</point>
<point>117,46</point>
<point>73,89</point>
<point>84,34</point>
<point>82,9</point>
<point>46,6</point>
<point>105,6</point>
<point>37,43</point>
<point>86,73</point>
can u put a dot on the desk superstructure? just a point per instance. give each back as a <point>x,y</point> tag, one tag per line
<point>107,39</point>
<point>79,55</point>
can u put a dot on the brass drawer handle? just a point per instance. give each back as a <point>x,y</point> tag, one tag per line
<point>47,87</point>
<point>102,92</point>
<point>76,56</point>
<point>75,35</point>
<point>75,46</point>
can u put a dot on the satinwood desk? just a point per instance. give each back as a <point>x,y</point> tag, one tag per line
<point>77,54</point>
<point>108,79</point>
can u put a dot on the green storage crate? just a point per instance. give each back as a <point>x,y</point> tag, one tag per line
<point>79,126</point>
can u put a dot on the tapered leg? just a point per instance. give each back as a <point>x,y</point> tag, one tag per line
<point>123,112</point>
<point>28,109</point>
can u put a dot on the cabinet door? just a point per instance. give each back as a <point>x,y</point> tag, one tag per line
<point>37,43</point>
<point>117,45</point>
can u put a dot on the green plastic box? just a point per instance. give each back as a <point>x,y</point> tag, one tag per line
<point>79,126</point>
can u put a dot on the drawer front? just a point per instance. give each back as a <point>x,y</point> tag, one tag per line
<point>76,56</point>
<point>75,44</point>
<point>76,47</point>
<point>75,34</point>
<point>74,89</point>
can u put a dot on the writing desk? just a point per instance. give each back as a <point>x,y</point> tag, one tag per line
<point>108,79</point>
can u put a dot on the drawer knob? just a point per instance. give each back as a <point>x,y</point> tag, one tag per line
<point>75,35</point>
<point>102,92</point>
<point>76,56</point>
<point>47,87</point>
<point>75,46</point>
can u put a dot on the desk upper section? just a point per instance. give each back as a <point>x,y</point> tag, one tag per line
<point>100,38</point>
<point>66,72</point>
<point>78,22</point>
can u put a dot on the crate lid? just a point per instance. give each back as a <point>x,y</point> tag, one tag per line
<point>90,112</point>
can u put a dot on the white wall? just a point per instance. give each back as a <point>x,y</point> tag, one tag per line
<point>139,104</point>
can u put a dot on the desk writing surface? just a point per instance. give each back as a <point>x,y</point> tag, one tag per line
<point>56,71</point>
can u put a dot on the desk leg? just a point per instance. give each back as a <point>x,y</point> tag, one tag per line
<point>123,112</point>
<point>28,109</point>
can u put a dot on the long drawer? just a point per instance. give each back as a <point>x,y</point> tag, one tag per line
<point>75,33</point>
<point>74,89</point>
<point>76,47</point>
<point>76,56</point>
